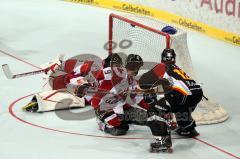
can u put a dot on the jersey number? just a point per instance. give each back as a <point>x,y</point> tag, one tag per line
<point>182,74</point>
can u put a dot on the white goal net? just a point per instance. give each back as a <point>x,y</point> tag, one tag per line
<point>142,35</point>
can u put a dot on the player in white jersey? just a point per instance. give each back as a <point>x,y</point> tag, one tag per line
<point>113,111</point>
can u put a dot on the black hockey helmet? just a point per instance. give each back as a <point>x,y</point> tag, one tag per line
<point>168,56</point>
<point>112,59</point>
<point>133,62</point>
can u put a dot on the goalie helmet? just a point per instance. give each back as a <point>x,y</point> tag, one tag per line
<point>168,56</point>
<point>112,59</point>
<point>133,62</point>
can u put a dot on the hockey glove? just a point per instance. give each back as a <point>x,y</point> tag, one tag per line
<point>150,98</point>
<point>81,90</point>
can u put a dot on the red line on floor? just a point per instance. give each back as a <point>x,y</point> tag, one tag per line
<point>215,147</point>
<point>10,109</point>
<point>12,113</point>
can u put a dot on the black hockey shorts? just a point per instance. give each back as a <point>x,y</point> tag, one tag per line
<point>183,106</point>
<point>182,103</point>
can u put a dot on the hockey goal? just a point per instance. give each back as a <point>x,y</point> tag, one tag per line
<point>131,34</point>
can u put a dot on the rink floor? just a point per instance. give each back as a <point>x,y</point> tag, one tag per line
<point>37,31</point>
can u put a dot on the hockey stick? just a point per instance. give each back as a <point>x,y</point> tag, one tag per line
<point>137,92</point>
<point>8,73</point>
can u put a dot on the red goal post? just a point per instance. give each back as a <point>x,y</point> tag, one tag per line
<point>147,40</point>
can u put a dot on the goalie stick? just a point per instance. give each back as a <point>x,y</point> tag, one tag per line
<point>8,73</point>
<point>138,92</point>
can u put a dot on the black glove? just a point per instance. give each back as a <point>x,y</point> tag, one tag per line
<point>157,107</point>
<point>81,90</point>
<point>150,98</point>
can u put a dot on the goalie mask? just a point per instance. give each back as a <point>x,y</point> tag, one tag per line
<point>168,56</point>
<point>133,63</point>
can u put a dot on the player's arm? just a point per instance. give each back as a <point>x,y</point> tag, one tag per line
<point>154,78</point>
<point>76,82</point>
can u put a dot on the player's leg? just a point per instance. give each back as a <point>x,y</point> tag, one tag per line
<point>160,130</point>
<point>133,115</point>
<point>188,125</point>
<point>111,123</point>
<point>162,108</point>
<point>183,107</point>
<point>155,119</point>
<point>55,82</point>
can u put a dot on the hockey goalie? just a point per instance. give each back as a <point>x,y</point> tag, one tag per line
<point>66,82</point>
<point>63,78</point>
